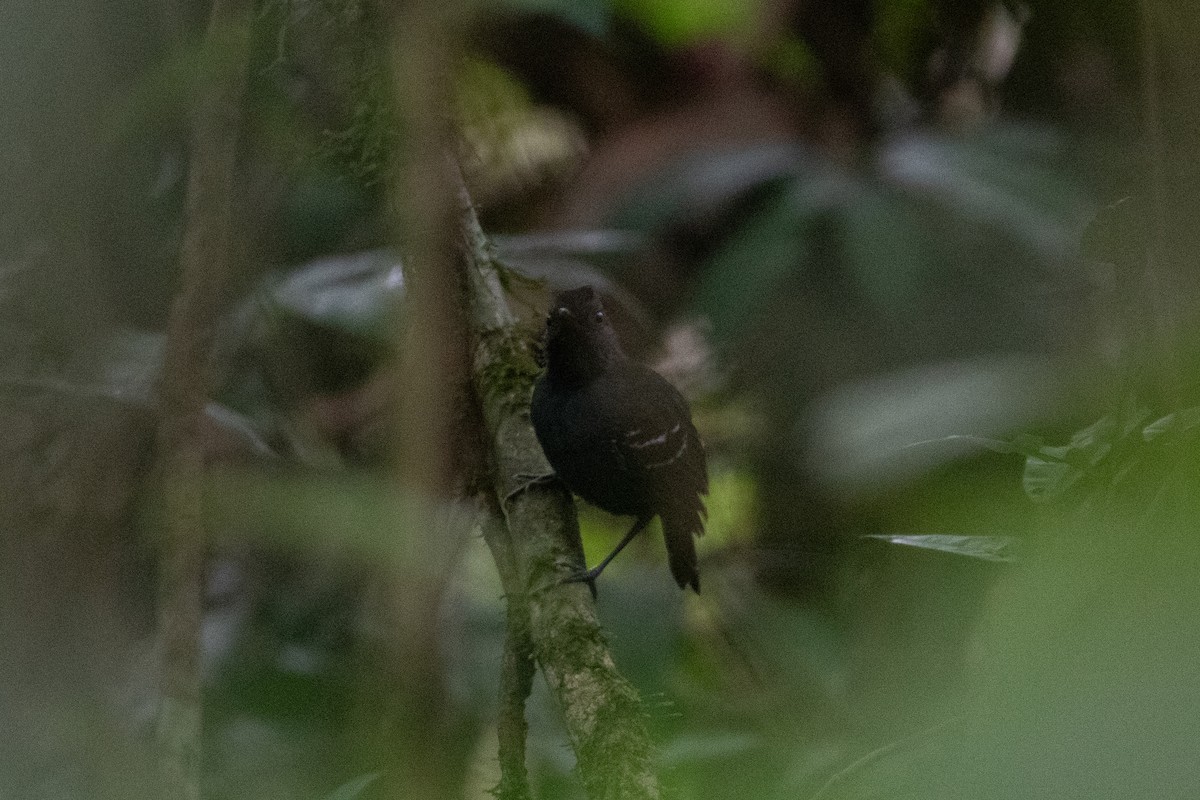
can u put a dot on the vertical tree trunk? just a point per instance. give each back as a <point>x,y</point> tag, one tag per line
<point>206,264</point>
<point>426,741</point>
<point>1171,128</point>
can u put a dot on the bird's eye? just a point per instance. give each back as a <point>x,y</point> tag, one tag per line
<point>599,316</point>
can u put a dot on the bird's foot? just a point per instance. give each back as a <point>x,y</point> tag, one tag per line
<point>587,576</point>
<point>534,477</point>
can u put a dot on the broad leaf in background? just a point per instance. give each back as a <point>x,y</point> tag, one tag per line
<point>887,430</point>
<point>980,217</point>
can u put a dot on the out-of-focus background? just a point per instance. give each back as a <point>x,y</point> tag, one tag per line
<point>924,269</point>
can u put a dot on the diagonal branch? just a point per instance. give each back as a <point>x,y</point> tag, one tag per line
<point>206,264</point>
<point>540,546</point>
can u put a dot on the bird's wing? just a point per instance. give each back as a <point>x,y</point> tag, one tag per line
<point>657,445</point>
<point>658,439</point>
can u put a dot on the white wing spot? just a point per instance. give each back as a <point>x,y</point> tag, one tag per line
<point>660,439</point>
<point>672,459</point>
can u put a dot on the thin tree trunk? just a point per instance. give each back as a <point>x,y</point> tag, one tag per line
<point>539,546</point>
<point>427,740</point>
<point>206,265</point>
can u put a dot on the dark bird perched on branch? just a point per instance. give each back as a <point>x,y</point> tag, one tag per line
<point>618,434</point>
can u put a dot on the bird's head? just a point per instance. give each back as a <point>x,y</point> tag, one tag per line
<point>580,340</point>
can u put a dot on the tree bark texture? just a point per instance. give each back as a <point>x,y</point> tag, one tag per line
<point>539,545</point>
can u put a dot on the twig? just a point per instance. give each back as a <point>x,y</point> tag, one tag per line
<point>516,679</point>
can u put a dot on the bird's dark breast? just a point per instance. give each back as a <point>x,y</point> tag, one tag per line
<point>579,444</point>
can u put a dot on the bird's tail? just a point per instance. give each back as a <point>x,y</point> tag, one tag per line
<point>680,529</point>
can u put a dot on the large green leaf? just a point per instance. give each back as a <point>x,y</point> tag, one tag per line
<point>773,244</point>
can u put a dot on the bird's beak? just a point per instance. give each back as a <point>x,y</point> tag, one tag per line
<point>557,318</point>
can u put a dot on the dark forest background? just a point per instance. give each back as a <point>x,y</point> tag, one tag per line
<point>925,271</point>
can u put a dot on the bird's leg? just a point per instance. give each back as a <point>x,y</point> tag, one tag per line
<point>589,576</point>
<point>535,477</point>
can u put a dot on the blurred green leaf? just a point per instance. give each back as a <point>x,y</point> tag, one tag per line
<point>772,245</point>
<point>353,789</point>
<point>1045,481</point>
<point>986,548</point>
<point>318,512</point>
<point>353,293</point>
<point>1005,175</point>
<point>677,22</point>
<point>701,746</point>
<point>887,246</point>
<point>976,216</point>
<point>1023,444</point>
<point>892,428</point>
<point>705,186</point>
<point>1172,424</point>
<point>1051,472</point>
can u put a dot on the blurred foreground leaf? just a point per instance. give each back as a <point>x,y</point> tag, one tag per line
<point>1173,424</point>
<point>1098,451</point>
<point>705,745</point>
<point>312,512</point>
<point>119,365</point>
<point>353,789</point>
<point>891,428</point>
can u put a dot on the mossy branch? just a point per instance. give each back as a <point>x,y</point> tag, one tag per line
<point>539,545</point>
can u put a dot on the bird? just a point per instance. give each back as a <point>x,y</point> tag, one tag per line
<point>618,434</point>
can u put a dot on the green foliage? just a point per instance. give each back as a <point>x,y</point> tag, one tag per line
<point>310,513</point>
<point>354,788</point>
<point>1078,683</point>
<point>370,133</point>
<point>985,548</point>
<point>970,213</point>
<point>677,22</point>
<point>1106,455</point>
<point>901,33</point>
<point>761,254</point>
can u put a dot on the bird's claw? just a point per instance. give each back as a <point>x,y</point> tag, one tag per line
<point>534,477</point>
<point>524,480</point>
<point>583,576</point>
